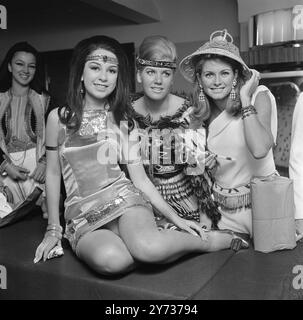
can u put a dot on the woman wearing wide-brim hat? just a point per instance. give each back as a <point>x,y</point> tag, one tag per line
<point>241,118</point>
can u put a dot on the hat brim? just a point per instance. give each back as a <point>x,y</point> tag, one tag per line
<point>187,65</point>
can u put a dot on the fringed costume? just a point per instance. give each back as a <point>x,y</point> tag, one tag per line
<point>231,188</point>
<point>164,154</point>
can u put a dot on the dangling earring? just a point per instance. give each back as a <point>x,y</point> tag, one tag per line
<point>233,94</point>
<point>201,94</point>
<point>82,87</point>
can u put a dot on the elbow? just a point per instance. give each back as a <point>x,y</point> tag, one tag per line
<point>260,153</point>
<point>261,150</point>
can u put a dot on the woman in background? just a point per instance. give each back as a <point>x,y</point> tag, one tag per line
<point>23,106</point>
<point>296,162</point>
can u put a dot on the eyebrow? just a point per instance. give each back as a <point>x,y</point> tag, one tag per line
<point>100,64</point>
<point>228,69</point>
<point>20,60</point>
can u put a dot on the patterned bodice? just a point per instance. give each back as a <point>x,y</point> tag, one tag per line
<point>162,141</point>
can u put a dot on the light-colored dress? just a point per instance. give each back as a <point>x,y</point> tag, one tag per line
<point>296,157</point>
<point>22,137</point>
<point>97,190</point>
<point>231,187</point>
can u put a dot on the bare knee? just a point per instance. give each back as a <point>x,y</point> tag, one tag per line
<point>107,261</point>
<point>149,249</point>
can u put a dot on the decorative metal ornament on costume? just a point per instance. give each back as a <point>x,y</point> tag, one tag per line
<point>156,63</point>
<point>94,121</point>
<point>220,43</point>
<point>233,94</point>
<point>102,58</point>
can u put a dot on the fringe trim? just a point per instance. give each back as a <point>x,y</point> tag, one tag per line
<point>233,199</point>
<point>179,194</point>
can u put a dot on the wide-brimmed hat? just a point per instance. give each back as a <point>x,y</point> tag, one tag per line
<point>220,43</point>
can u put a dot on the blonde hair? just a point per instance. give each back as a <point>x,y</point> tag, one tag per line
<point>158,48</point>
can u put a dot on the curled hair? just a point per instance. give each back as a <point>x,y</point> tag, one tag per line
<point>157,48</point>
<point>37,84</point>
<point>118,99</point>
<point>203,108</point>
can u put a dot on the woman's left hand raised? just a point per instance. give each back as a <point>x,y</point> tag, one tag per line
<point>250,85</point>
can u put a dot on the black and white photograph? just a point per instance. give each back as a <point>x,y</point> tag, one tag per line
<point>151,151</point>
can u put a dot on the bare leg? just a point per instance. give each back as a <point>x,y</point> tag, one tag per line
<point>146,243</point>
<point>105,252</point>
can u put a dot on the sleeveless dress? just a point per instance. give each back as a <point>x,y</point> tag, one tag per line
<point>231,186</point>
<point>165,160</point>
<point>97,191</point>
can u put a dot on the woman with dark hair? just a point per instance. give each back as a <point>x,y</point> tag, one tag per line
<point>23,105</point>
<point>241,121</point>
<point>109,218</point>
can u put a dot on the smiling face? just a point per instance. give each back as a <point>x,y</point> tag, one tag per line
<point>23,68</point>
<point>100,76</point>
<point>217,78</point>
<point>156,82</point>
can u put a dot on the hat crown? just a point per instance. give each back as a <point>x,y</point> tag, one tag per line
<point>221,44</point>
<point>223,41</point>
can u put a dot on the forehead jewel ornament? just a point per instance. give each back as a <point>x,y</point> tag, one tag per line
<point>156,63</point>
<point>102,58</point>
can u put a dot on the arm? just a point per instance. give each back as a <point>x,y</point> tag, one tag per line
<point>39,172</point>
<point>53,179</point>
<point>143,183</point>
<point>296,161</point>
<point>257,127</point>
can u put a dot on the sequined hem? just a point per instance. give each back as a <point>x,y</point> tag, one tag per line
<point>100,215</point>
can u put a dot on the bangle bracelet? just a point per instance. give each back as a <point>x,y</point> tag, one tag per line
<point>248,111</point>
<point>249,108</point>
<point>53,234</point>
<point>53,226</point>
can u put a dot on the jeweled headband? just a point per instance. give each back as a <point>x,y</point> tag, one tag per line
<point>156,63</point>
<point>103,58</point>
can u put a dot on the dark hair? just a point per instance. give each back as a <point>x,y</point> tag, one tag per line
<point>118,99</point>
<point>37,83</point>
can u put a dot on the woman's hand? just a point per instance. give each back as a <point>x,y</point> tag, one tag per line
<point>49,242</point>
<point>249,87</point>
<point>191,227</point>
<point>9,194</point>
<point>299,229</point>
<point>16,172</point>
<point>210,160</point>
<point>39,173</point>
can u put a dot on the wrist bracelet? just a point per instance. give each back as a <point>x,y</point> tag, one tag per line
<point>248,111</point>
<point>53,226</point>
<point>53,234</point>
